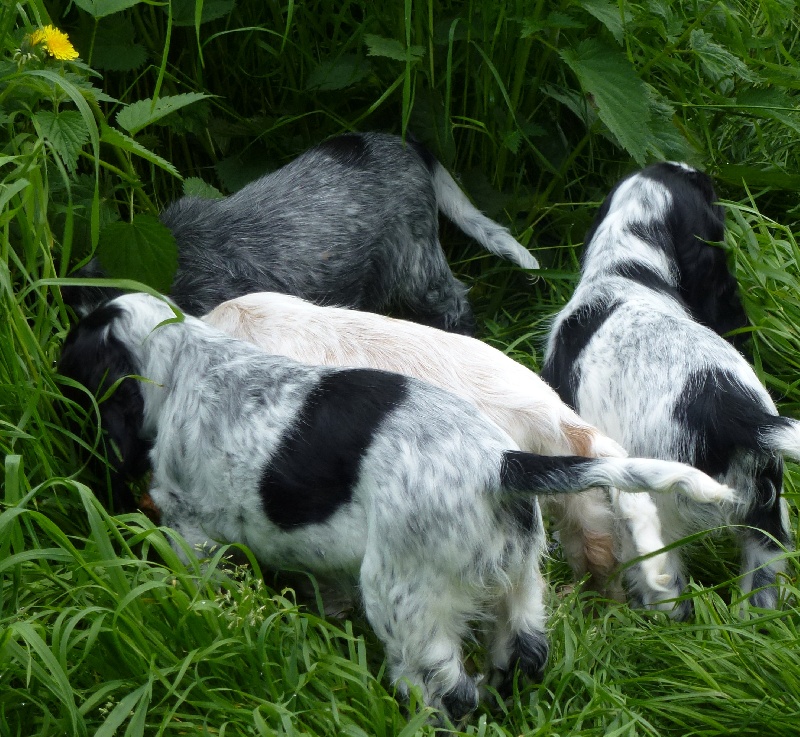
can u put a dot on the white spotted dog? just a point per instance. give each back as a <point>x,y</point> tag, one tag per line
<point>358,475</point>
<point>506,392</point>
<point>638,352</point>
<point>353,222</point>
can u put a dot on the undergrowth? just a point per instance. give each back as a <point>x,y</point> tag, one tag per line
<point>538,108</point>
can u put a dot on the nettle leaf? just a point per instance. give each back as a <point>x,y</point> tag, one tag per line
<point>717,62</point>
<point>608,14</point>
<point>66,131</point>
<point>617,92</point>
<point>391,48</point>
<point>142,113</point>
<point>772,104</point>
<point>183,11</point>
<point>114,48</point>
<point>196,187</point>
<point>338,74</point>
<point>102,8</point>
<point>144,250</point>
<point>116,138</point>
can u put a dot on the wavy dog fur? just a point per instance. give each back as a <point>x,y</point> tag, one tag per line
<point>358,475</point>
<point>351,222</point>
<point>638,352</point>
<point>506,392</point>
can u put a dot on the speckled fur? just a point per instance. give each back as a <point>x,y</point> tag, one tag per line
<point>439,528</point>
<point>630,353</point>
<point>353,222</point>
<point>506,392</point>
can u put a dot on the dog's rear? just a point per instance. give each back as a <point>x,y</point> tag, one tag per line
<point>352,222</point>
<point>508,393</point>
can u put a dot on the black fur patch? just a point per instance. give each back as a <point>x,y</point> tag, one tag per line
<point>647,277</point>
<point>98,362</point>
<point>529,652</point>
<point>765,514</point>
<point>314,469</point>
<point>423,152</point>
<point>528,472</point>
<point>573,336</point>
<point>723,416</point>
<point>706,284</point>
<point>349,149</point>
<point>462,699</point>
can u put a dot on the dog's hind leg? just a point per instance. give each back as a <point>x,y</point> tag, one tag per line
<point>421,618</point>
<point>586,531</point>
<point>519,639</point>
<point>765,539</point>
<point>659,579</point>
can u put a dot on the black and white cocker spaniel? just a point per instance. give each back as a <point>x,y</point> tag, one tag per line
<point>638,351</point>
<point>368,477</point>
<point>352,222</point>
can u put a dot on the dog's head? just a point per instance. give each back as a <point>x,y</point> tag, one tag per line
<point>97,355</point>
<point>680,216</point>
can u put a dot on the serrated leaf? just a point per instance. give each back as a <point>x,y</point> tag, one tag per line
<point>196,187</point>
<point>102,8</point>
<point>617,92</point>
<point>391,48</point>
<point>717,62</point>
<point>144,250</point>
<point>338,74</point>
<point>142,113</point>
<point>114,47</point>
<point>183,11</point>
<point>116,138</point>
<point>66,132</point>
<point>772,104</point>
<point>608,14</point>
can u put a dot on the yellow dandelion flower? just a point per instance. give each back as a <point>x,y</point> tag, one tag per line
<point>56,42</point>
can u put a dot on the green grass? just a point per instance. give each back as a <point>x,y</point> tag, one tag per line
<point>102,630</point>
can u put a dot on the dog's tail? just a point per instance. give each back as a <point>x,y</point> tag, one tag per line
<point>452,201</point>
<point>527,472</point>
<point>781,435</point>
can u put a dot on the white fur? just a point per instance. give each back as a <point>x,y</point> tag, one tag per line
<point>508,393</point>
<point>631,377</point>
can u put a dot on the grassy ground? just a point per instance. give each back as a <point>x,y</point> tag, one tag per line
<point>538,107</point>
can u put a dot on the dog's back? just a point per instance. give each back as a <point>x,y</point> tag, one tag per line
<point>638,352</point>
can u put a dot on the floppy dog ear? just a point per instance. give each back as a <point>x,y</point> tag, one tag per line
<point>706,283</point>
<point>94,357</point>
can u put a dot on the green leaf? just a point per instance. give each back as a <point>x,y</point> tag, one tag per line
<point>617,92</point>
<point>142,113</point>
<point>392,49</point>
<point>196,187</point>
<point>116,138</point>
<point>554,21</point>
<point>717,62</point>
<point>236,171</point>
<point>144,250</point>
<point>102,8</point>
<point>114,47</point>
<point>608,14</point>
<point>183,11</point>
<point>338,74</point>
<point>66,132</point>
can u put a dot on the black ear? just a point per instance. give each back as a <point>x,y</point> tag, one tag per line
<point>84,299</point>
<point>94,357</point>
<point>706,283</point>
